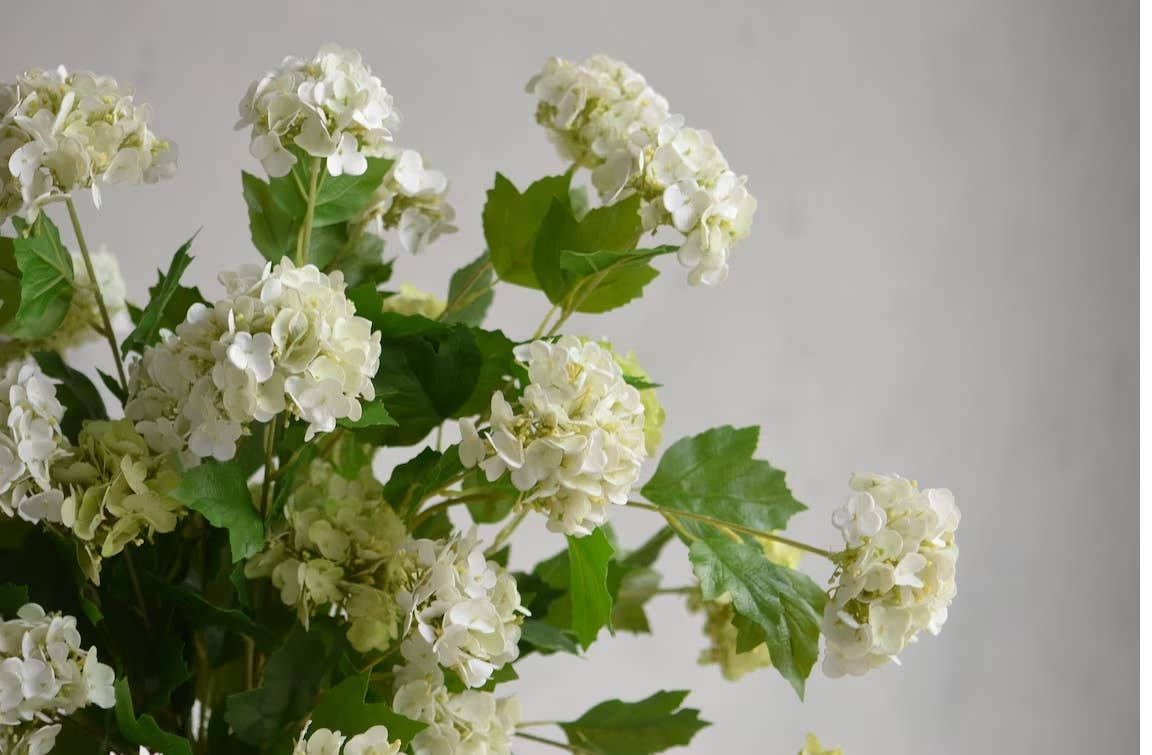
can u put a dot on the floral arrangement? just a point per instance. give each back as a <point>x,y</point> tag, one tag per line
<point>211,525</point>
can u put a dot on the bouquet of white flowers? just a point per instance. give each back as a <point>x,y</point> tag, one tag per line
<point>215,531</point>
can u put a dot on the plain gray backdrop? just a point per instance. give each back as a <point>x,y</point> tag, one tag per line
<point>941,281</point>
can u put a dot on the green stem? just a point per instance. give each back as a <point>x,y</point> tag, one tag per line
<point>104,316</point>
<point>136,588</point>
<point>269,465</point>
<point>462,300</point>
<point>553,742</point>
<point>436,508</point>
<point>722,525</point>
<point>544,323</point>
<point>349,245</point>
<point>505,533</point>
<point>304,240</point>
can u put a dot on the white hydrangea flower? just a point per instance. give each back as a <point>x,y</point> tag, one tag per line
<point>62,132</point>
<point>464,609</point>
<point>603,116</point>
<point>45,675</point>
<point>374,741</point>
<point>577,442</point>
<point>413,201</point>
<point>284,338</point>
<point>341,547</point>
<point>30,443</point>
<point>467,723</point>
<point>330,106</point>
<point>896,577</point>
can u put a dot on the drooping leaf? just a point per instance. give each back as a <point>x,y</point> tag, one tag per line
<point>343,708</point>
<point>636,587</point>
<point>651,725</point>
<point>273,231</point>
<point>713,474</point>
<point>167,290</point>
<point>783,602</point>
<point>113,386</point>
<point>547,639</point>
<point>511,221</point>
<point>144,730</point>
<point>588,559</point>
<point>47,280</point>
<point>219,491</point>
<point>470,292</point>
<point>9,282</point>
<point>293,676</point>
<point>75,393</point>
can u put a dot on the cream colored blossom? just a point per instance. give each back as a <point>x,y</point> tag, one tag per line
<point>329,106</point>
<point>31,441</point>
<point>45,676</point>
<point>412,301</point>
<point>283,339</point>
<point>412,200</point>
<point>576,441</point>
<point>62,132</point>
<point>603,116</point>
<point>897,575</point>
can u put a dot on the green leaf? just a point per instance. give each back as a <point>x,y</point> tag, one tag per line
<point>9,282</point>
<point>75,393</point>
<point>511,221</point>
<point>201,612</point>
<point>547,639</point>
<point>46,281</point>
<point>651,725</point>
<point>12,599</point>
<point>220,492</point>
<point>569,256</point>
<point>273,231</point>
<point>497,365</point>
<point>293,676</point>
<point>339,199</point>
<point>499,497</point>
<point>143,730</point>
<point>157,312</point>
<point>784,603</point>
<point>373,414</point>
<point>421,476</point>
<point>588,559</point>
<point>470,292</point>
<point>637,586</point>
<point>714,474</point>
<point>344,709</point>
<point>113,386</point>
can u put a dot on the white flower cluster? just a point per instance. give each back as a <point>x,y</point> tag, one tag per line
<point>330,106</point>
<point>896,576</point>
<point>283,339</point>
<point>577,442</point>
<point>470,722</point>
<point>465,609</point>
<point>605,117</point>
<point>62,132</point>
<point>341,547</point>
<point>30,442</point>
<point>374,741</point>
<point>413,201</point>
<point>44,676</point>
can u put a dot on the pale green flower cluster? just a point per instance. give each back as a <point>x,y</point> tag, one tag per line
<point>412,301</point>
<point>116,490</point>
<point>812,746</point>
<point>340,546</point>
<point>654,414</point>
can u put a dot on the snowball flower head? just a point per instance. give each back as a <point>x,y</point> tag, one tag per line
<point>45,675</point>
<point>283,338</point>
<point>602,115</point>
<point>576,441</point>
<point>896,576</point>
<point>61,132</point>
<point>464,610</point>
<point>329,106</point>
<point>470,721</point>
<point>30,442</point>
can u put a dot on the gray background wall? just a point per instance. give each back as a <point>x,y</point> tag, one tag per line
<point>941,281</point>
